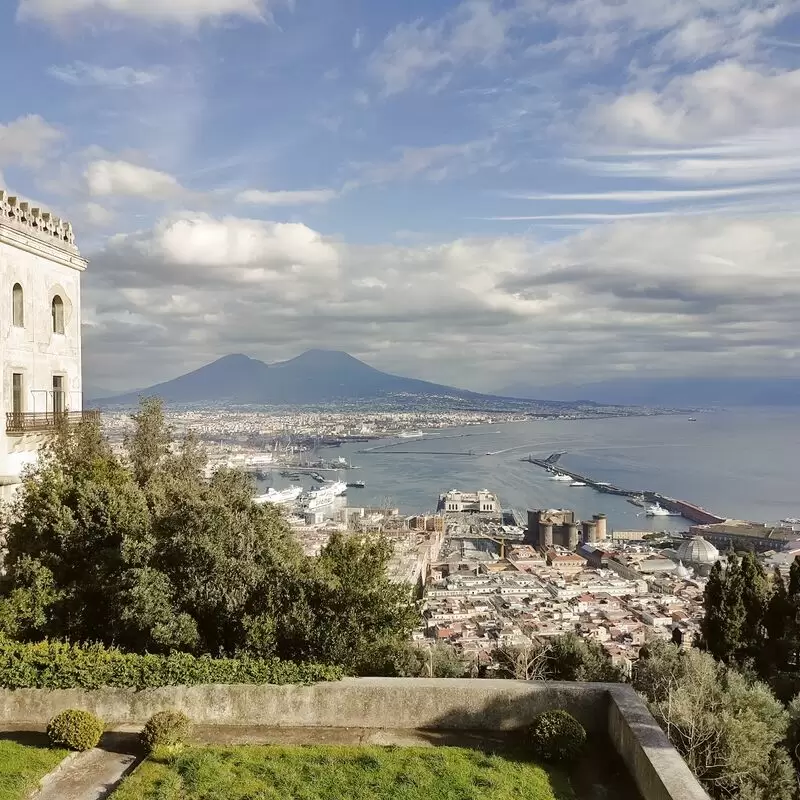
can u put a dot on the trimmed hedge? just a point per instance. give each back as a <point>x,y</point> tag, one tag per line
<point>557,736</point>
<point>165,729</point>
<point>56,665</point>
<point>76,729</point>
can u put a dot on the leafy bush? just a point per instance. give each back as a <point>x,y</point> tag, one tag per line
<point>557,736</point>
<point>165,729</point>
<point>75,729</point>
<point>55,665</point>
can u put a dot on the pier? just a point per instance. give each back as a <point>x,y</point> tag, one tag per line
<point>690,511</point>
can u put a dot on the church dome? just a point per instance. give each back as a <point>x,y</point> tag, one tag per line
<point>697,551</point>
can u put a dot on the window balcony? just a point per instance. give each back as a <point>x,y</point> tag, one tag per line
<point>18,424</point>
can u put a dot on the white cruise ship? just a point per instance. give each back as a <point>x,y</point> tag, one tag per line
<point>325,495</point>
<point>559,477</point>
<point>657,510</point>
<point>279,496</point>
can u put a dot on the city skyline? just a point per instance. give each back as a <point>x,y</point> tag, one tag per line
<point>461,194</point>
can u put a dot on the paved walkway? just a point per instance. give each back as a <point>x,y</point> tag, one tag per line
<point>95,774</point>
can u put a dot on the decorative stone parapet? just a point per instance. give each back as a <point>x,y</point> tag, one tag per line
<point>43,222</point>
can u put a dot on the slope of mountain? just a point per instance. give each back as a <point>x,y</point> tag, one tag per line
<point>673,392</point>
<point>317,376</point>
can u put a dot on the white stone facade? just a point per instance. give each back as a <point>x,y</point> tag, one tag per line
<point>482,501</point>
<point>40,347</point>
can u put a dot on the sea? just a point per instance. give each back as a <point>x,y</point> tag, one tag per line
<point>737,464</point>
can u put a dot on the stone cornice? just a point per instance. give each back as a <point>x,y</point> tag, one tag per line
<point>39,222</point>
<point>23,238</point>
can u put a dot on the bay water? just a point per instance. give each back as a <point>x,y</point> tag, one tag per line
<point>739,464</point>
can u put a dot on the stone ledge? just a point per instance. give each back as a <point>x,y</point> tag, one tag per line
<point>614,710</point>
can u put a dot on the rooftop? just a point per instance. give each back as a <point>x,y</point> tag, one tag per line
<point>738,527</point>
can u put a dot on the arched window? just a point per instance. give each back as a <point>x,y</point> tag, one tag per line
<point>58,315</point>
<point>18,306</point>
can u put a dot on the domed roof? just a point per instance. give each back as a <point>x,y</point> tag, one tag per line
<point>697,551</point>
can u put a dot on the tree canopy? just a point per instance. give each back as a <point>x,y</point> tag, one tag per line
<point>729,729</point>
<point>143,551</point>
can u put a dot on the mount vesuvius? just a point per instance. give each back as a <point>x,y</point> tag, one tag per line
<point>315,377</point>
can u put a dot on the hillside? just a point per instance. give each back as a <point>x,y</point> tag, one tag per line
<point>315,377</point>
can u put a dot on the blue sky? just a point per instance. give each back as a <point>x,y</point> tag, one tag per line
<point>475,192</point>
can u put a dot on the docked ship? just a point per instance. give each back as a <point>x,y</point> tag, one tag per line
<point>324,495</point>
<point>577,483</point>
<point>279,496</point>
<point>410,434</point>
<point>657,510</point>
<point>559,477</point>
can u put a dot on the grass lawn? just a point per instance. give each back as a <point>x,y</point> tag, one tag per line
<point>341,773</point>
<point>23,765</point>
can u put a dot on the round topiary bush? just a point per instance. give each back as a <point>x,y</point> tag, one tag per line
<point>75,729</point>
<point>557,736</point>
<point>165,729</point>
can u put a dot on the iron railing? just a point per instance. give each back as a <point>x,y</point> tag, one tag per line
<point>36,422</point>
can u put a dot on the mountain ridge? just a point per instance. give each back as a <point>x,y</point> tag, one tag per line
<point>316,376</point>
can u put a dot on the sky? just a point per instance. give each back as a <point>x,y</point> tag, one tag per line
<point>479,193</point>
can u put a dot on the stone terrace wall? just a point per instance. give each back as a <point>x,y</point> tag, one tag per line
<point>456,704</point>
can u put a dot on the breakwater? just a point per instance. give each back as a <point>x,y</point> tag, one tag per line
<point>690,511</point>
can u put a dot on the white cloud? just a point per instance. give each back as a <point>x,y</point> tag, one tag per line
<point>287,198</point>
<point>727,99</point>
<point>432,163</point>
<point>263,248</point>
<point>661,195</point>
<point>107,178</point>
<point>578,32</point>
<point>82,74</point>
<point>767,156</point>
<point>695,295</point>
<point>475,31</point>
<point>27,140</point>
<point>183,12</point>
<point>98,215</point>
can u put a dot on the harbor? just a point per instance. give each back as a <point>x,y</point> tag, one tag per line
<point>689,511</point>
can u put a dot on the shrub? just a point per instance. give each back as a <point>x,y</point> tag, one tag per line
<point>557,736</point>
<point>75,729</point>
<point>165,729</point>
<point>55,665</point>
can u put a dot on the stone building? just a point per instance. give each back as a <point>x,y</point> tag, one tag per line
<point>40,333</point>
<point>480,502</point>
<point>548,527</point>
<point>740,534</point>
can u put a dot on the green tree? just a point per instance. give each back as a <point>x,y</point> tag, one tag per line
<point>778,618</point>
<point>77,518</point>
<point>148,444</point>
<point>712,624</point>
<point>347,611</point>
<point>728,729</point>
<point>151,555</point>
<point>722,628</point>
<point>755,599</point>
<point>574,658</point>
